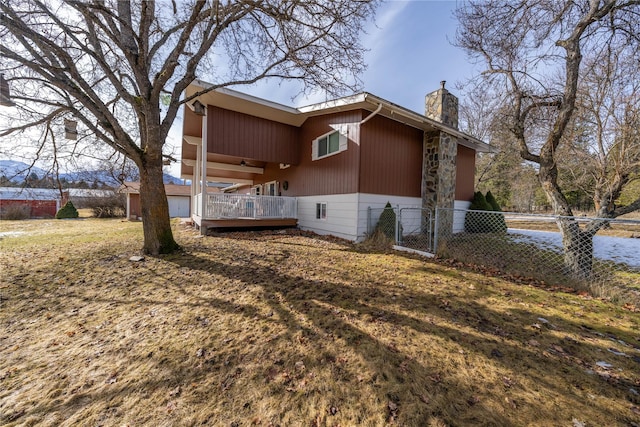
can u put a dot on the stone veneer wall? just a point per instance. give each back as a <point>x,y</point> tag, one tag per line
<point>439,153</point>
<point>439,170</point>
<point>442,106</point>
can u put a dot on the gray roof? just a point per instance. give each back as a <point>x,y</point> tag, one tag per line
<point>82,192</point>
<point>19,193</point>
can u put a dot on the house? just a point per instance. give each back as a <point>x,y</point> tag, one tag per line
<point>32,202</point>
<point>323,166</point>
<point>178,197</point>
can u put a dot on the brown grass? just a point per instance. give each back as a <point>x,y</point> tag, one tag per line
<point>293,330</point>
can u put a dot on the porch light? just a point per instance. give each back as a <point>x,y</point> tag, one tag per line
<point>5,95</point>
<point>70,129</point>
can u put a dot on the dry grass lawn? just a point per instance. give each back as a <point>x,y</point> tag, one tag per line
<point>289,329</point>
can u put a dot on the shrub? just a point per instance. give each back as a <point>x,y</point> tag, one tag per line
<point>492,202</point>
<point>108,207</point>
<point>15,212</point>
<point>377,242</point>
<point>497,223</point>
<point>477,222</point>
<point>108,211</point>
<point>112,206</point>
<point>67,211</point>
<point>387,222</point>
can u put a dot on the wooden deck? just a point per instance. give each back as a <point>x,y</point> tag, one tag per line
<point>243,223</point>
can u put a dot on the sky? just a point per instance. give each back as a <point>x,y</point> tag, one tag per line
<point>409,53</point>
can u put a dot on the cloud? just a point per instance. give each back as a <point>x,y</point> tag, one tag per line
<point>379,28</point>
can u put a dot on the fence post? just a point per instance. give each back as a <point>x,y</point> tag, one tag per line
<point>435,232</point>
<point>398,225</point>
<point>397,231</point>
<point>429,230</point>
<point>369,220</point>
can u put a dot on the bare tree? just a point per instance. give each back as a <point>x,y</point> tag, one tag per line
<point>120,68</point>
<point>608,117</point>
<point>504,172</point>
<point>533,51</point>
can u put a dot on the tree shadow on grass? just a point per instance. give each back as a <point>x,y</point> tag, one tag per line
<point>406,380</point>
<point>326,316</point>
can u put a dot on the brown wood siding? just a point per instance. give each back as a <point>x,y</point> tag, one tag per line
<point>337,174</point>
<point>134,206</point>
<point>465,171</point>
<point>391,158</point>
<point>191,126</point>
<point>241,135</point>
<point>192,123</point>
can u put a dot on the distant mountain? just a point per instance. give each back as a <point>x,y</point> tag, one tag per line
<point>106,177</point>
<point>18,172</point>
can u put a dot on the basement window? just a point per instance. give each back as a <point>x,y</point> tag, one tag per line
<point>321,210</point>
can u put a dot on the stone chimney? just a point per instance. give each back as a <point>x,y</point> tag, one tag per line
<point>442,106</point>
<point>439,157</point>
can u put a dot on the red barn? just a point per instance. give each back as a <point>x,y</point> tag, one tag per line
<point>36,202</point>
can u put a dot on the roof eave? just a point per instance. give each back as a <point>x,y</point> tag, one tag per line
<point>423,122</point>
<point>271,110</point>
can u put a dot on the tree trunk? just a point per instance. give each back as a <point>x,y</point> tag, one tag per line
<point>578,249</point>
<point>158,237</point>
<point>577,244</point>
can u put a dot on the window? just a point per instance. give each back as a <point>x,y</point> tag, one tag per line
<point>271,188</point>
<point>321,210</point>
<point>330,143</point>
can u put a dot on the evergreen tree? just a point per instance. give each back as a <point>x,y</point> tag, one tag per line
<point>474,221</point>
<point>497,222</point>
<point>67,211</point>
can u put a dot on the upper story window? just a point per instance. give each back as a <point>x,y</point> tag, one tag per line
<point>330,143</point>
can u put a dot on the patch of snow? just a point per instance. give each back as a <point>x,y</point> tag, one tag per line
<point>616,249</point>
<point>11,233</point>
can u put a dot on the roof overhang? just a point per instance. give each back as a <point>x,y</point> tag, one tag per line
<point>229,99</point>
<point>369,102</point>
<point>242,103</point>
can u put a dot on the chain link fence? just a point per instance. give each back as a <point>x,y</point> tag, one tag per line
<point>605,263</point>
<point>594,254</point>
<point>382,220</point>
<point>407,226</point>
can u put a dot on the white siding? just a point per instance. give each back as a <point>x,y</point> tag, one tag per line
<point>459,215</point>
<point>378,202</point>
<point>341,218</point>
<point>347,214</point>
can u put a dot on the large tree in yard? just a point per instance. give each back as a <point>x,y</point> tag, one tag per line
<point>566,73</point>
<point>119,69</point>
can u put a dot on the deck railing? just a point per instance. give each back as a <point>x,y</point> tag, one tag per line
<point>196,202</point>
<point>234,206</point>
